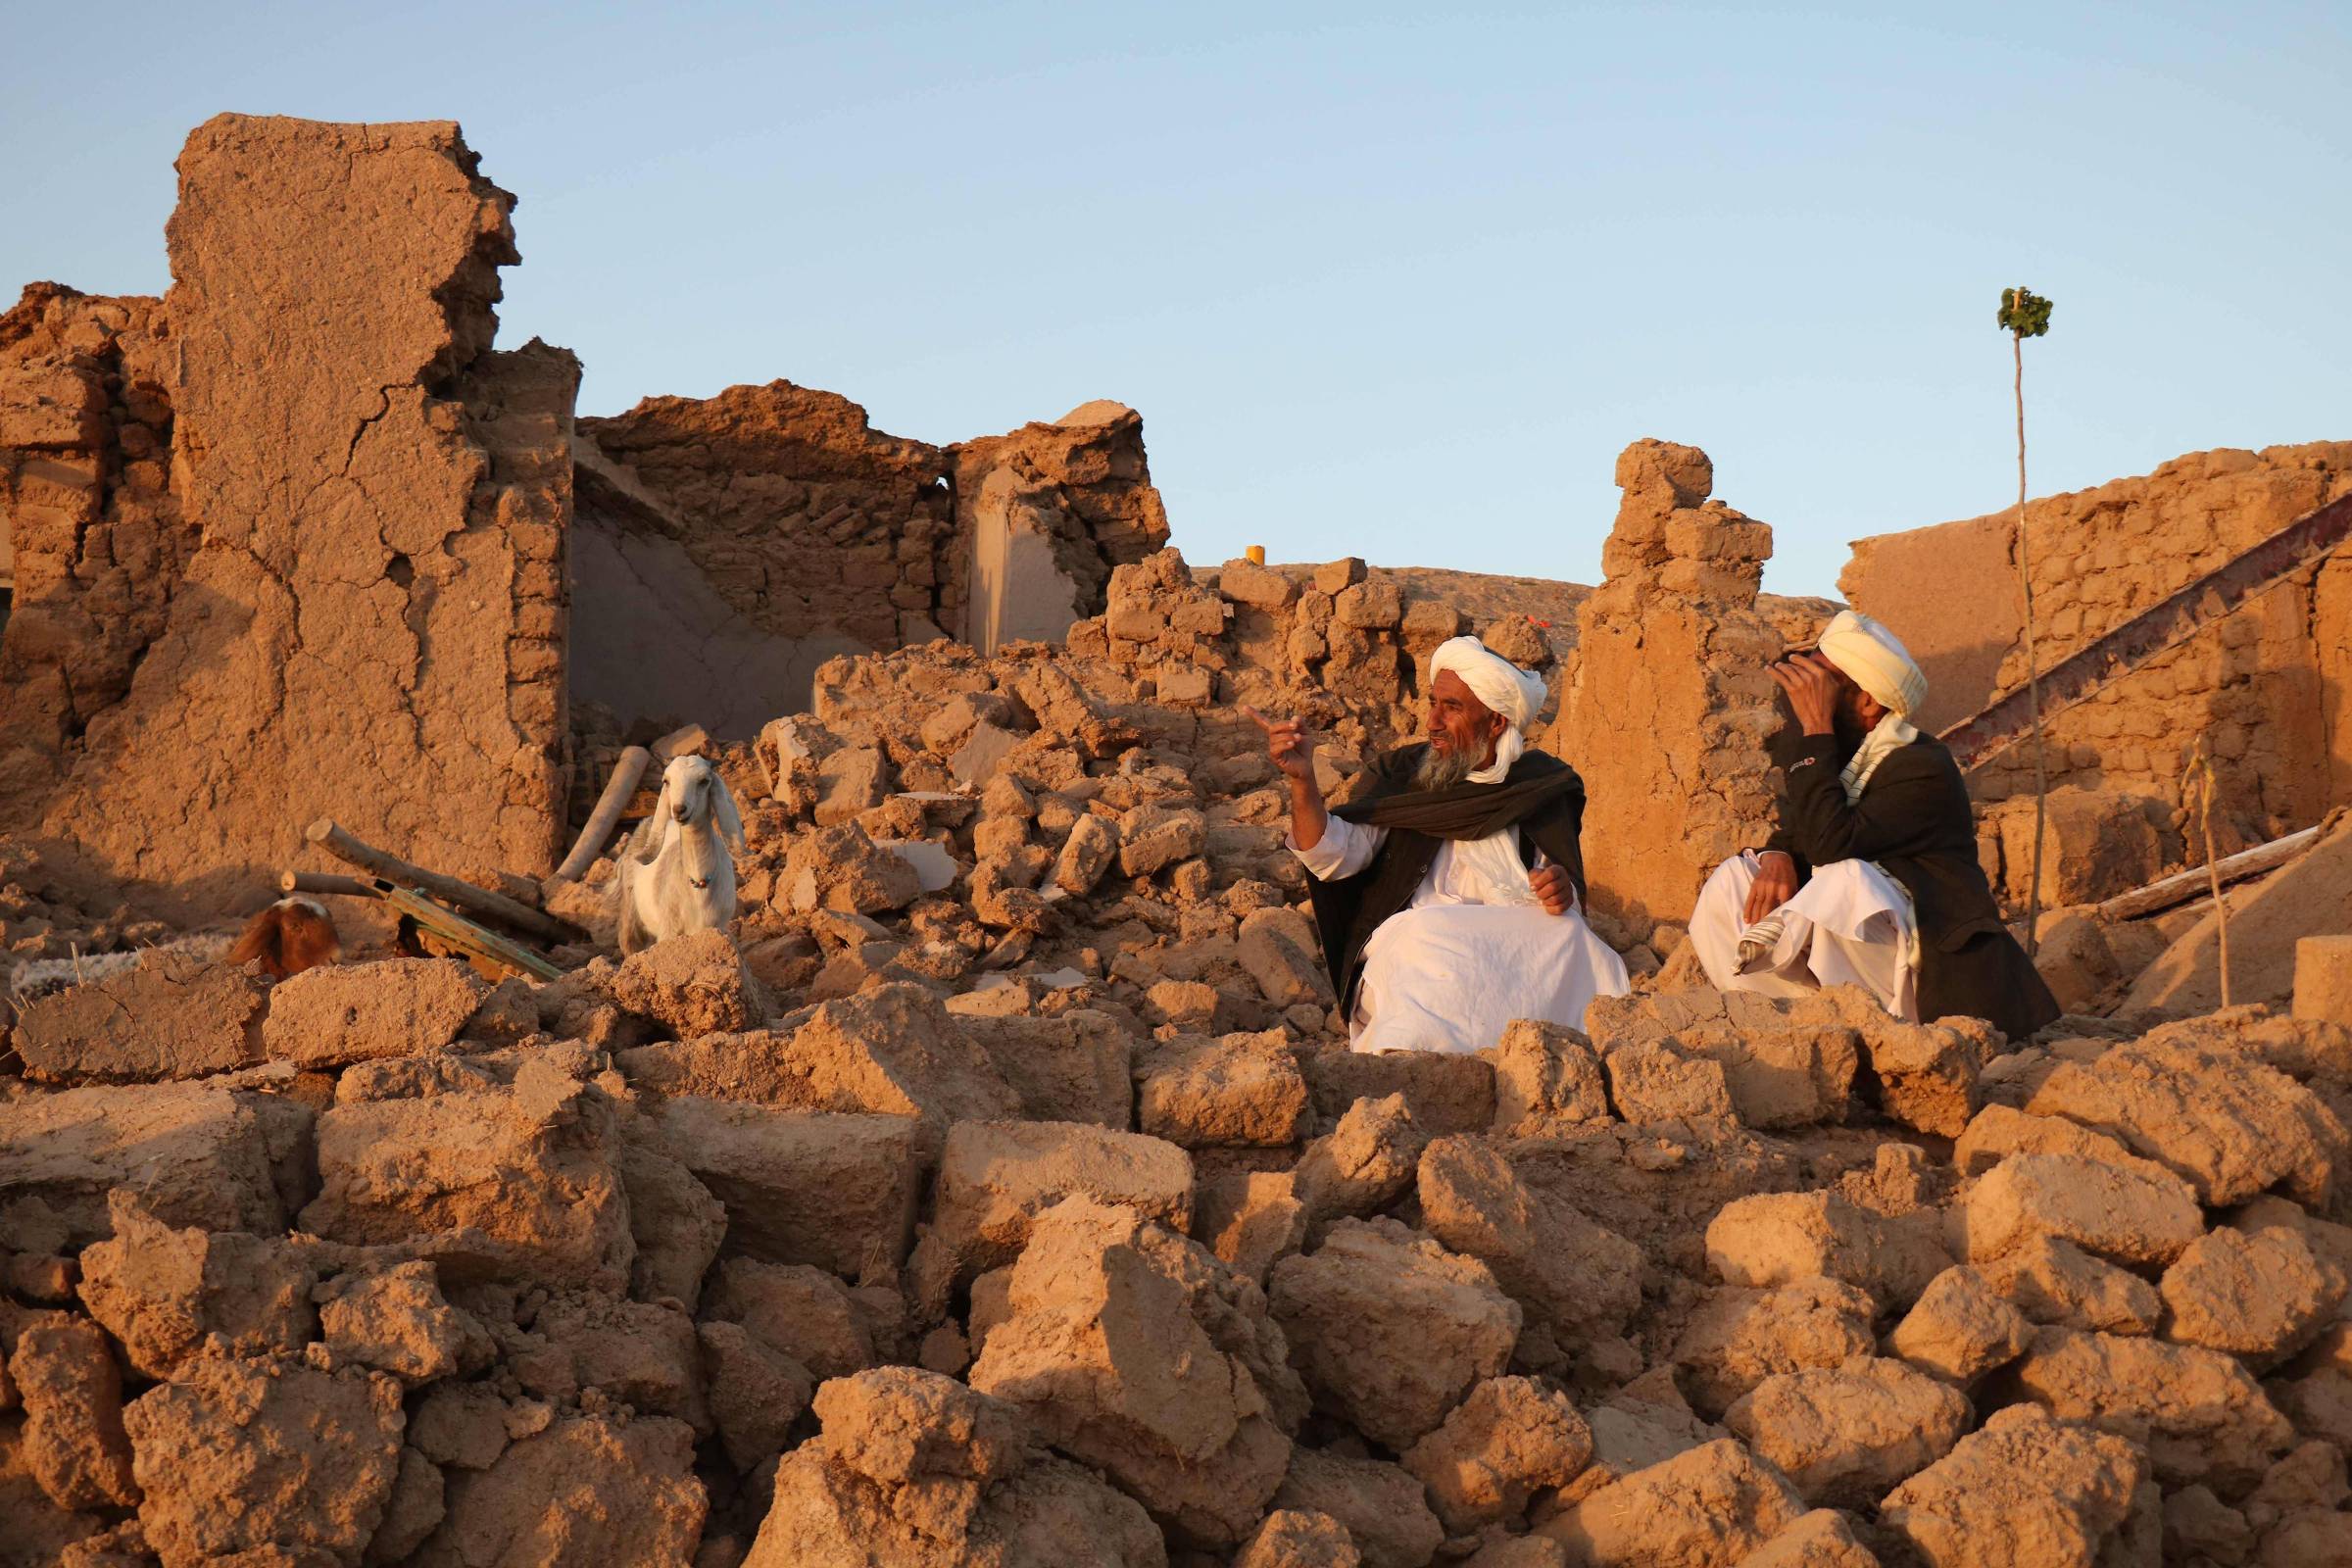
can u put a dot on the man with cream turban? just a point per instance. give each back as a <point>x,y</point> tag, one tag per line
<point>1871,875</point>
<point>1448,893</point>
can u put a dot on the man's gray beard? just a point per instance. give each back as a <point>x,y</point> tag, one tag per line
<point>1443,770</point>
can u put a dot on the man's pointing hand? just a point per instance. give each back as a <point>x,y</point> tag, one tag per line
<point>1286,744</point>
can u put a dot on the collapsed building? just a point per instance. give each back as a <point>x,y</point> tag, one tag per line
<point>1000,1188</point>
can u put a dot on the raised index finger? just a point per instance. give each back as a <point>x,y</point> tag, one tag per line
<point>1257,719</point>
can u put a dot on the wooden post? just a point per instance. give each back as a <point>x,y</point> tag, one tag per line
<point>627,769</point>
<point>448,889</point>
<point>350,886</point>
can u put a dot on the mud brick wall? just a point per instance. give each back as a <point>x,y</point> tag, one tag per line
<point>88,511</point>
<point>371,623</point>
<point>731,545</point>
<point>2266,687</point>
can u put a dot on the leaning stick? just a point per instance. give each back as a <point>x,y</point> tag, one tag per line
<point>627,769</point>
<point>324,882</point>
<point>2182,886</point>
<point>448,889</point>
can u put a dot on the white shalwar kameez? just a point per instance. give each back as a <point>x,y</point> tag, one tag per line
<point>1474,950</point>
<point>1849,924</point>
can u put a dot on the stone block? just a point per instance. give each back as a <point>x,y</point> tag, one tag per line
<point>995,1178</point>
<point>2120,1212</point>
<point>1510,1438</point>
<point>194,1154</point>
<point>1846,1435</point>
<point>171,1015</point>
<point>1443,1093</point>
<point>258,1456</point>
<point>1715,1503</point>
<point>521,1183</point>
<point>1546,1077</point>
<point>1135,1350</point>
<point>1391,1329</point>
<point>339,1014</point>
<point>836,1191</point>
<point>1242,1090</point>
<point>1579,1280</point>
<point>2023,1489</point>
<point>2323,979</point>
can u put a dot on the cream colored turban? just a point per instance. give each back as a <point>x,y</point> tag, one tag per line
<point>1871,657</point>
<point>1514,693</point>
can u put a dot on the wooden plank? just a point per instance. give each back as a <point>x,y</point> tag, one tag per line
<point>448,889</point>
<point>462,934</point>
<point>2181,887</point>
<point>627,769</point>
<point>2181,616</point>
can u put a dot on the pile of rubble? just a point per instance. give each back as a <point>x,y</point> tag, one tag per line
<point>1000,1190</point>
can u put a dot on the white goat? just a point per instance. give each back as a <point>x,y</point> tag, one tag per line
<point>675,874</point>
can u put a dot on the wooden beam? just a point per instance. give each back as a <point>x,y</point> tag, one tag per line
<point>627,769</point>
<point>2180,888</point>
<point>350,886</point>
<point>448,889</point>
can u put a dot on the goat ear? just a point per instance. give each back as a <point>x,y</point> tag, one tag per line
<point>730,820</point>
<point>654,830</point>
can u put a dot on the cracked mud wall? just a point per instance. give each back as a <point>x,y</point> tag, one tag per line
<point>1668,701</point>
<point>2268,686</point>
<point>371,625</point>
<point>91,540</point>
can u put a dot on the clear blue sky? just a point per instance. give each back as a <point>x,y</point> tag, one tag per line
<point>1396,281</point>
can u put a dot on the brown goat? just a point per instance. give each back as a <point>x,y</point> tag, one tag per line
<point>288,937</point>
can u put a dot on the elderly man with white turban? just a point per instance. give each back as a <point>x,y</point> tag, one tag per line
<point>1449,892</point>
<point>1871,875</point>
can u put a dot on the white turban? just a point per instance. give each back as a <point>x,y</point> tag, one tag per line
<point>1514,693</point>
<point>1871,657</point>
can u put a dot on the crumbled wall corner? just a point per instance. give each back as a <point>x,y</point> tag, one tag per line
<point>374,574</point>
<point>1043,516</point>
<point>88,514</point>
<point>1668,698</point>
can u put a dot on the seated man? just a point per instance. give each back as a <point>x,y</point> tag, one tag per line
<point>1871,875</point>
<point>1447,893</point>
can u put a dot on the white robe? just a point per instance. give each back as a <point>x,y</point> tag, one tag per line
<point>1472,951</point>
<point>1849,924</point>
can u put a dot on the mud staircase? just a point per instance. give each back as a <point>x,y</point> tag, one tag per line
<point>2008,719</point>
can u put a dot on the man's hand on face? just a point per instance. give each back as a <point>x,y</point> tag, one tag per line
<point>1774,886</point>
<point>1811,683</point>
<point>1553,888</point>
<point>1286,744</point>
